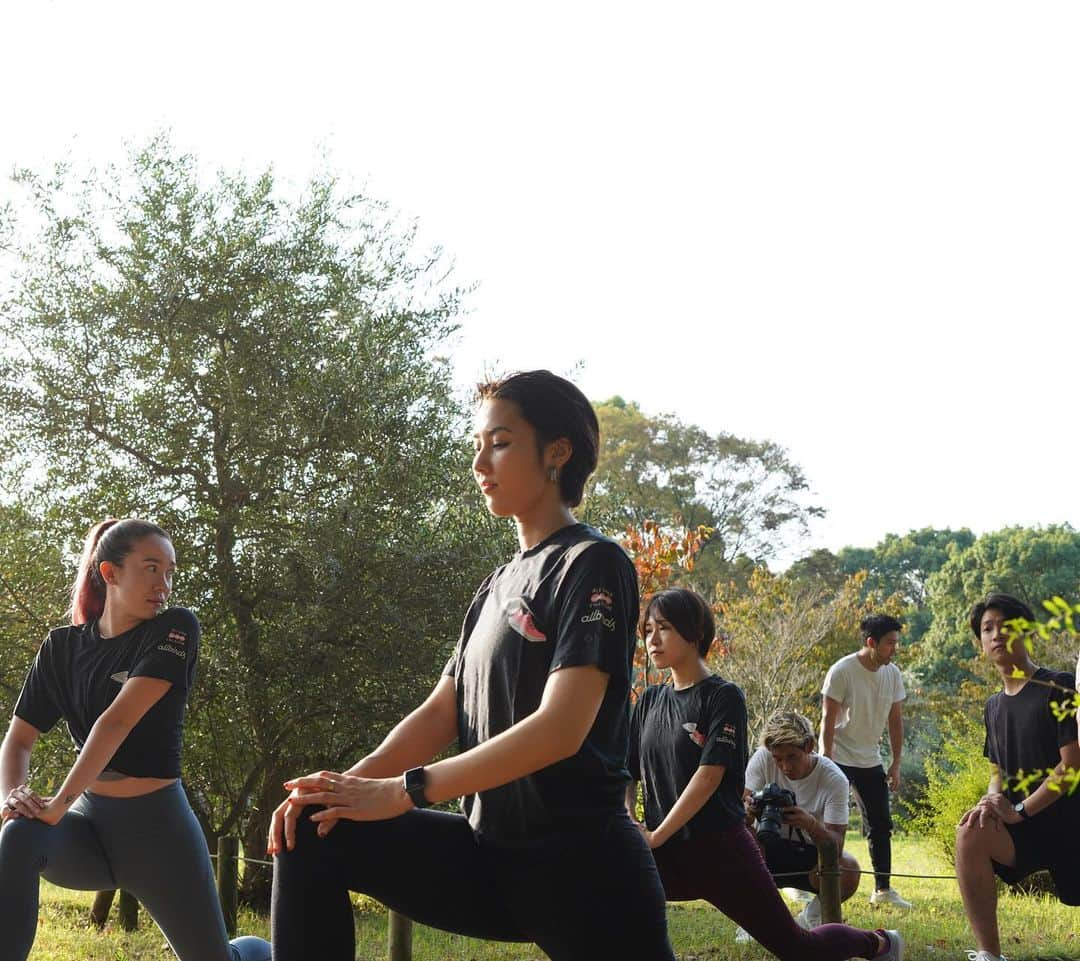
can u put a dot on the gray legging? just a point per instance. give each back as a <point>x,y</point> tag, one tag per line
<point>151,846</point>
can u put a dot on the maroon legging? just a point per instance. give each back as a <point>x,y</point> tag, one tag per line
<point>727,869</point>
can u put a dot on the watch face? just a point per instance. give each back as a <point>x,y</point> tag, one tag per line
<point>414,786</point>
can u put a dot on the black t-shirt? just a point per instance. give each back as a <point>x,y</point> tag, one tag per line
<point>673,733</point>
<point>77,674</point>
<point>1023,735</point>
<point>569,601</point>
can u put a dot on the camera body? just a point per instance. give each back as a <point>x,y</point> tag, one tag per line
<point>768,806</point>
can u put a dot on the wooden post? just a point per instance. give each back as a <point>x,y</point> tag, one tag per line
<point>99,912</point>
<point>829,881</point>
<point>399,936</point>
<point>128,911</point>
<point>227,880</point>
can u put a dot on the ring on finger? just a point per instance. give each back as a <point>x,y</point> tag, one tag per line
<point>332,787</point>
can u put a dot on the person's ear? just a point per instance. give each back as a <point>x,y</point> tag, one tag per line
<point>559,452</point>
<point>107,570</point>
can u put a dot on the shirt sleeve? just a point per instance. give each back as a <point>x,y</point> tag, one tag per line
<point>899,694</point>
<point>755,770</point>
<point>835,685</point>
<point>170,648</point>
<point>836,791</point>
<point>726,727</point>
<point>988,751</point>
<point>37,704</point>
<point>596,619</point>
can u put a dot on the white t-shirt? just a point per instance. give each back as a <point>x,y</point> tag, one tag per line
<point>866,697</point>
<point>823,792</point>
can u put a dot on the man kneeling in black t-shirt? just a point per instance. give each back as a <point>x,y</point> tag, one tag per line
<point>1012,833</point>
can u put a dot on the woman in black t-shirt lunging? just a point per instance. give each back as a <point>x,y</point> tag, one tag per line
<point>535,694</point>
<point>688,747</point>
<point>119,676</point>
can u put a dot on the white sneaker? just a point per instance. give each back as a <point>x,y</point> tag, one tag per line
<point>742,936</point>
<point>985,956</point>
<point>895,950</point>
<point>810,916</point>
<point>890,897</point>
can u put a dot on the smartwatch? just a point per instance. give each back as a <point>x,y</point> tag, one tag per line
<point>414,781</point>
<point>1019,808</point>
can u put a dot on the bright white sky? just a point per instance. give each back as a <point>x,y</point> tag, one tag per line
<point>851,228</point>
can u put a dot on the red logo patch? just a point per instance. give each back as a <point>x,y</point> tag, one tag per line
<point>521,620</point>
<point>601,596</point>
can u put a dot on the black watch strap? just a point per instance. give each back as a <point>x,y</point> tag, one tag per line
<point>415,779</point>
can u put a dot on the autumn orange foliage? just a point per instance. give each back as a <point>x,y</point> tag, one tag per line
<point>659,554</point>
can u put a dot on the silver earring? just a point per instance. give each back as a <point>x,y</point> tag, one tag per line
<point>553,474</point>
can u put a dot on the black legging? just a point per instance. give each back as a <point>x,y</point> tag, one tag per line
<point>872,793</point>
<point>578,895</point>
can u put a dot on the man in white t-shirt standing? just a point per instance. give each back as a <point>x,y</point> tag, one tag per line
<point>862,694</point>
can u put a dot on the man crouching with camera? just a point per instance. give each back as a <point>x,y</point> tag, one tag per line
<point>798,797</point>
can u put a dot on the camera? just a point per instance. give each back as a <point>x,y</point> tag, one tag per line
<point>768,805</point>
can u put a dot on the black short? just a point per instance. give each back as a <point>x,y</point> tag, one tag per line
<point>1048,842</point>
<point>784,857</point>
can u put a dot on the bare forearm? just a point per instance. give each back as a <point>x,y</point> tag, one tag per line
<point>533,743</point>
<point>415,740</point>
<point>896,739</point>
<point>820,831</point>
<point>830,710</point>
<point>700,788</point>
<point>631,799</point>
<point>14,765</point>
<point>106,736</point>
<point>1044,795</point>
<point>556,730</point>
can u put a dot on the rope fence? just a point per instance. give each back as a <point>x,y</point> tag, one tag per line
<point>400,928</point>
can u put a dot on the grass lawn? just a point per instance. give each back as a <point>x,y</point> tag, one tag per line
<point>935,930</point>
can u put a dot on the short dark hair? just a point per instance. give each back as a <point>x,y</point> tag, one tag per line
<point>877,626</point>
<point>1011,607</point>
<point>554,408</point>
<point>686,611</point>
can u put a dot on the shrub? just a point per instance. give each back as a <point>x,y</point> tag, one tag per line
<point>956,777</point>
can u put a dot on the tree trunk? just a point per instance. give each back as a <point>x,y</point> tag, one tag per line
<point>99,912</point>
<point>256,878</point>
<point>128,911</point>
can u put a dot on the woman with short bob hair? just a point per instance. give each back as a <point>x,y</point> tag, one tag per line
<point>119,676</point>
<point>688,745</point>
<point>535,694</point>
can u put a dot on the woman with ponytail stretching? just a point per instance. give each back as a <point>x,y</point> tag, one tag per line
<point>119,676</point>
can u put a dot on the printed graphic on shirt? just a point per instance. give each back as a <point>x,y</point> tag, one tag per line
<point>175,643</point>
<point>119,677</point>
<point>601,597</point>
<point>601,608</point>
<point>522,621</point>
<point>695,735</point>
<point>727,735</point>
